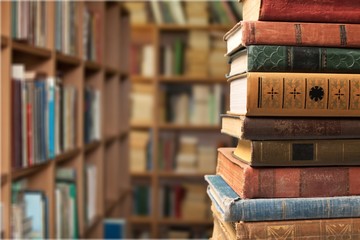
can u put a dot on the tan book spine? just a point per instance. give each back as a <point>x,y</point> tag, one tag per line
<point>303,94</point>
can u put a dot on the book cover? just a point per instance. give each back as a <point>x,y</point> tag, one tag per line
<point>114,228</point>
<point>291,182</point>
<point>246,33</point>
<point>232,208</point>
<point>343,228</point>
<point>345,11</point>
<point>271,58</point>
<point>289,128</point>
<point>295,94</point>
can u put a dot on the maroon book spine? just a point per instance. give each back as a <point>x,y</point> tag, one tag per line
<point>273,182</point>
<point>326,11</point>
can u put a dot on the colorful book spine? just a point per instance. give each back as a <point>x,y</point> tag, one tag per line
<point>232,208</point>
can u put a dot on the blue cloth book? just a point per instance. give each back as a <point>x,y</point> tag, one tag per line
<point>114,228</point>
<point>232,208</point>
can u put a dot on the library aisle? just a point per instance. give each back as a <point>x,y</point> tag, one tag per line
<point>110,116</point>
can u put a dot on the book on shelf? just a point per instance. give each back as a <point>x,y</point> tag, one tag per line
<point>92,35</point>
<point>291,182</point>
<point>196,13</point>
<point>299,229</point>
<point>92,114</point>
<point>40,104</point>
<point>140,151</point>
<point>142,60</point>
<point>246,33</point>
<point>232,208</point>
<point>305,11</point>
<point>142,200</point>
<point>66,26</point>
<point>289,128</point>
<point>138,12</point>
<point>67,220</point>
<point>91,186</point>
<point>186,158</point>
<point>28,22</point>
<point>295,94</point>
<point>114,228</point>
<point>142,103</point>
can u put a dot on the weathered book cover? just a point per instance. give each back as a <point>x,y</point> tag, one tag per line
<point>270,58</point>
<point>295,94</point>
<point>289,128</point>
<point>344,11</point>
<point>338,228</point>
<point>299,152</point>
<point>233,209</point>
<point>246,33</point>
<point>292,182</point>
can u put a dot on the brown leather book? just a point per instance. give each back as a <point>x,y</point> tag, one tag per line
<point>295,94</point>
<point>246,33</point>
<point>326,11</point>
<point>289,128</point>
<point>292,182</point>
<point>337,228</point>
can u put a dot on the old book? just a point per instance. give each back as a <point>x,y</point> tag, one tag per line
<point>343,228</point>
<point>270,58</point>
<point>292,182</point>
<point>247,33</point>
<point>295,94</point>
<point>289,128</point>
<point>232,208</point>
<point>299,152</point>
<point>345,11</point>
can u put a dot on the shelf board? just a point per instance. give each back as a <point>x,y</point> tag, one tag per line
<point>4,41</point>
<point>141,219</point>
<point>111,71</point>
<point>142,79</point>
<point>67,155</point>
<point>4,178</point>
<point>141,174</point>
<point>92,66</point>
<point>123,133</point>
<point>111,138</point>
<point>140,125</point>
<point>169,126</point>
<point>92,225</point>
<point>31,50</point>
<point>92,146</point>
<point>176,221</point>
<point>67,59</point>
<point>174,174</point>
<point>186,27</point>
<point>110,205</point>
<point>190,79</point>
<point>25,172</point>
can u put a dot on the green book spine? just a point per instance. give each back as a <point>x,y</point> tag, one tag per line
<point>179,57</point>
<point>14,23</point>
<point>267,58</point>
<point>72,191</point>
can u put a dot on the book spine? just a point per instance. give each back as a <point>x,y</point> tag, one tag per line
<point>305,152</point>
<point>297,94</point>
<point>346,11</point>
<point>51,117</point>
<point>268,58</point>
<point>300,34</point>
<point>302,229</point>
<point>300,128</point>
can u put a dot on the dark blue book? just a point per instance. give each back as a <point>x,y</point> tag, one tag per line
<point>114,228</point>
<point>232,208</point>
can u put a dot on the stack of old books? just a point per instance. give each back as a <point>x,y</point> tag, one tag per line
<point>295,110</point>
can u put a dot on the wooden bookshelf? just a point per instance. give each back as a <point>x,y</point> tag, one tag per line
<point>159,36</point>
<point>110,150</point>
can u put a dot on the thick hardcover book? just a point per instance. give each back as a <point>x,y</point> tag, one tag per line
<point>270,58</point>
<point>232,208</point>
<point>293,182</point>
<point>343,228</point>
<point>295,94</point>
<point>247,33</point>
<point>344,11</point>
<point>299,152</point>
<point>290,128</point>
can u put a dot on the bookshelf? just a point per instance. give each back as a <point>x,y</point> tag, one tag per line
<point>158,36</point>
<point>108,74</point>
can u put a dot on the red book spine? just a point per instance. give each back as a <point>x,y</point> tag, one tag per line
<point>29,134</point>
<point>300,34</point>
<point>326,11</point>
<point>272,182</point>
